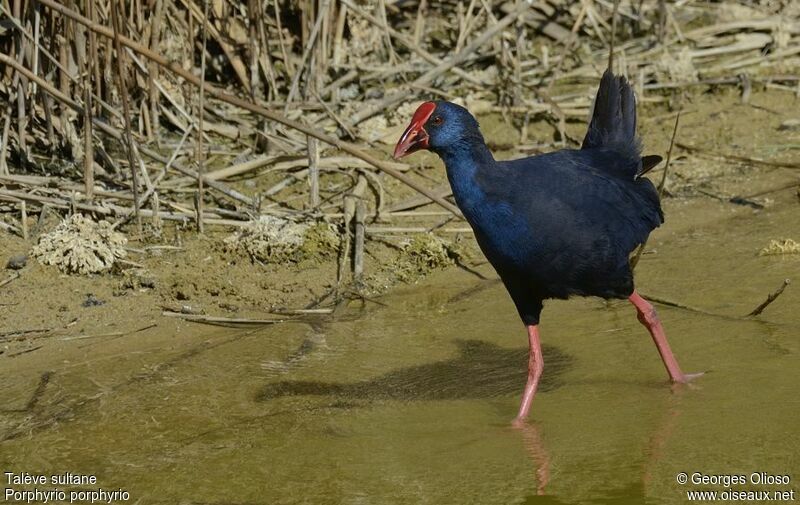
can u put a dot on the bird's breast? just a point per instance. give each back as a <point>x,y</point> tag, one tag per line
<point>504,237</point>
<point>480,190</point>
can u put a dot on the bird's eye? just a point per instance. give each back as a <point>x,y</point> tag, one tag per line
<point>437,120</point>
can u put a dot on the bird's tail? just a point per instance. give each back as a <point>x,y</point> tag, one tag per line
<point>613,124</point>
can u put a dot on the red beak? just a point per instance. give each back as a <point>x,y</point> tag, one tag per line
<point>415,137</point>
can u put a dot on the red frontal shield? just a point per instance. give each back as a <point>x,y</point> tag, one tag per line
<point>415,137</point>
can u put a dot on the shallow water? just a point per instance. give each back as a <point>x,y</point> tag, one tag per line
<point>411,402</point>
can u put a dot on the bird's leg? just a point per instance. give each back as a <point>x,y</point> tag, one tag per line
<point>648,317</point>
<point>535,367</point>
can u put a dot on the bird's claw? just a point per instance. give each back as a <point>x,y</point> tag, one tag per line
<point>686,381</point>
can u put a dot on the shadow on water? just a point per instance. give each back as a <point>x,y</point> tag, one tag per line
<point>481,370</point>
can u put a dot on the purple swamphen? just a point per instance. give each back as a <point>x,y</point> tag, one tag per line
<point>558,224</point>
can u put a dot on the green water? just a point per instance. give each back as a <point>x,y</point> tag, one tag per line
<point>411,402</point>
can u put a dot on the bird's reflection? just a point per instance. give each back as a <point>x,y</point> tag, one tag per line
<point>533,440</point>
<point>534,445</point>
<point>666,426</point>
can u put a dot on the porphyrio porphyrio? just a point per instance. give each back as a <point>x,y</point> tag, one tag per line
<point>558,224</point>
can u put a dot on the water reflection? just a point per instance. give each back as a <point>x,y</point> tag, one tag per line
<point>633,490</point>
<point>534,445</point>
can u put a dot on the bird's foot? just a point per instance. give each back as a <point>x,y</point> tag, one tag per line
<point>518,423</point>
<point>687,378</point>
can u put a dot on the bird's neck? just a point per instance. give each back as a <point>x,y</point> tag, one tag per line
<point>467,162</point>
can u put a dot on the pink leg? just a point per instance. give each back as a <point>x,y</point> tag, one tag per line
<point>535,367</point>
<point>649,318</point>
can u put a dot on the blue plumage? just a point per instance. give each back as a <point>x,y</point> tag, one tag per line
<point>558,224</point>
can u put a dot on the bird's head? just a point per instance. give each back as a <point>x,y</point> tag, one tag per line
<point>438,126</point>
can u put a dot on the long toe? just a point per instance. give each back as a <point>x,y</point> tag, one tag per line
<point>689,377</point>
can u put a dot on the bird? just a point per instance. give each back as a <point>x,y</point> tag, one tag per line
<point>558,224</point>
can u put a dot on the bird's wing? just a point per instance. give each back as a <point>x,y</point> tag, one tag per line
<point>577,192</point>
